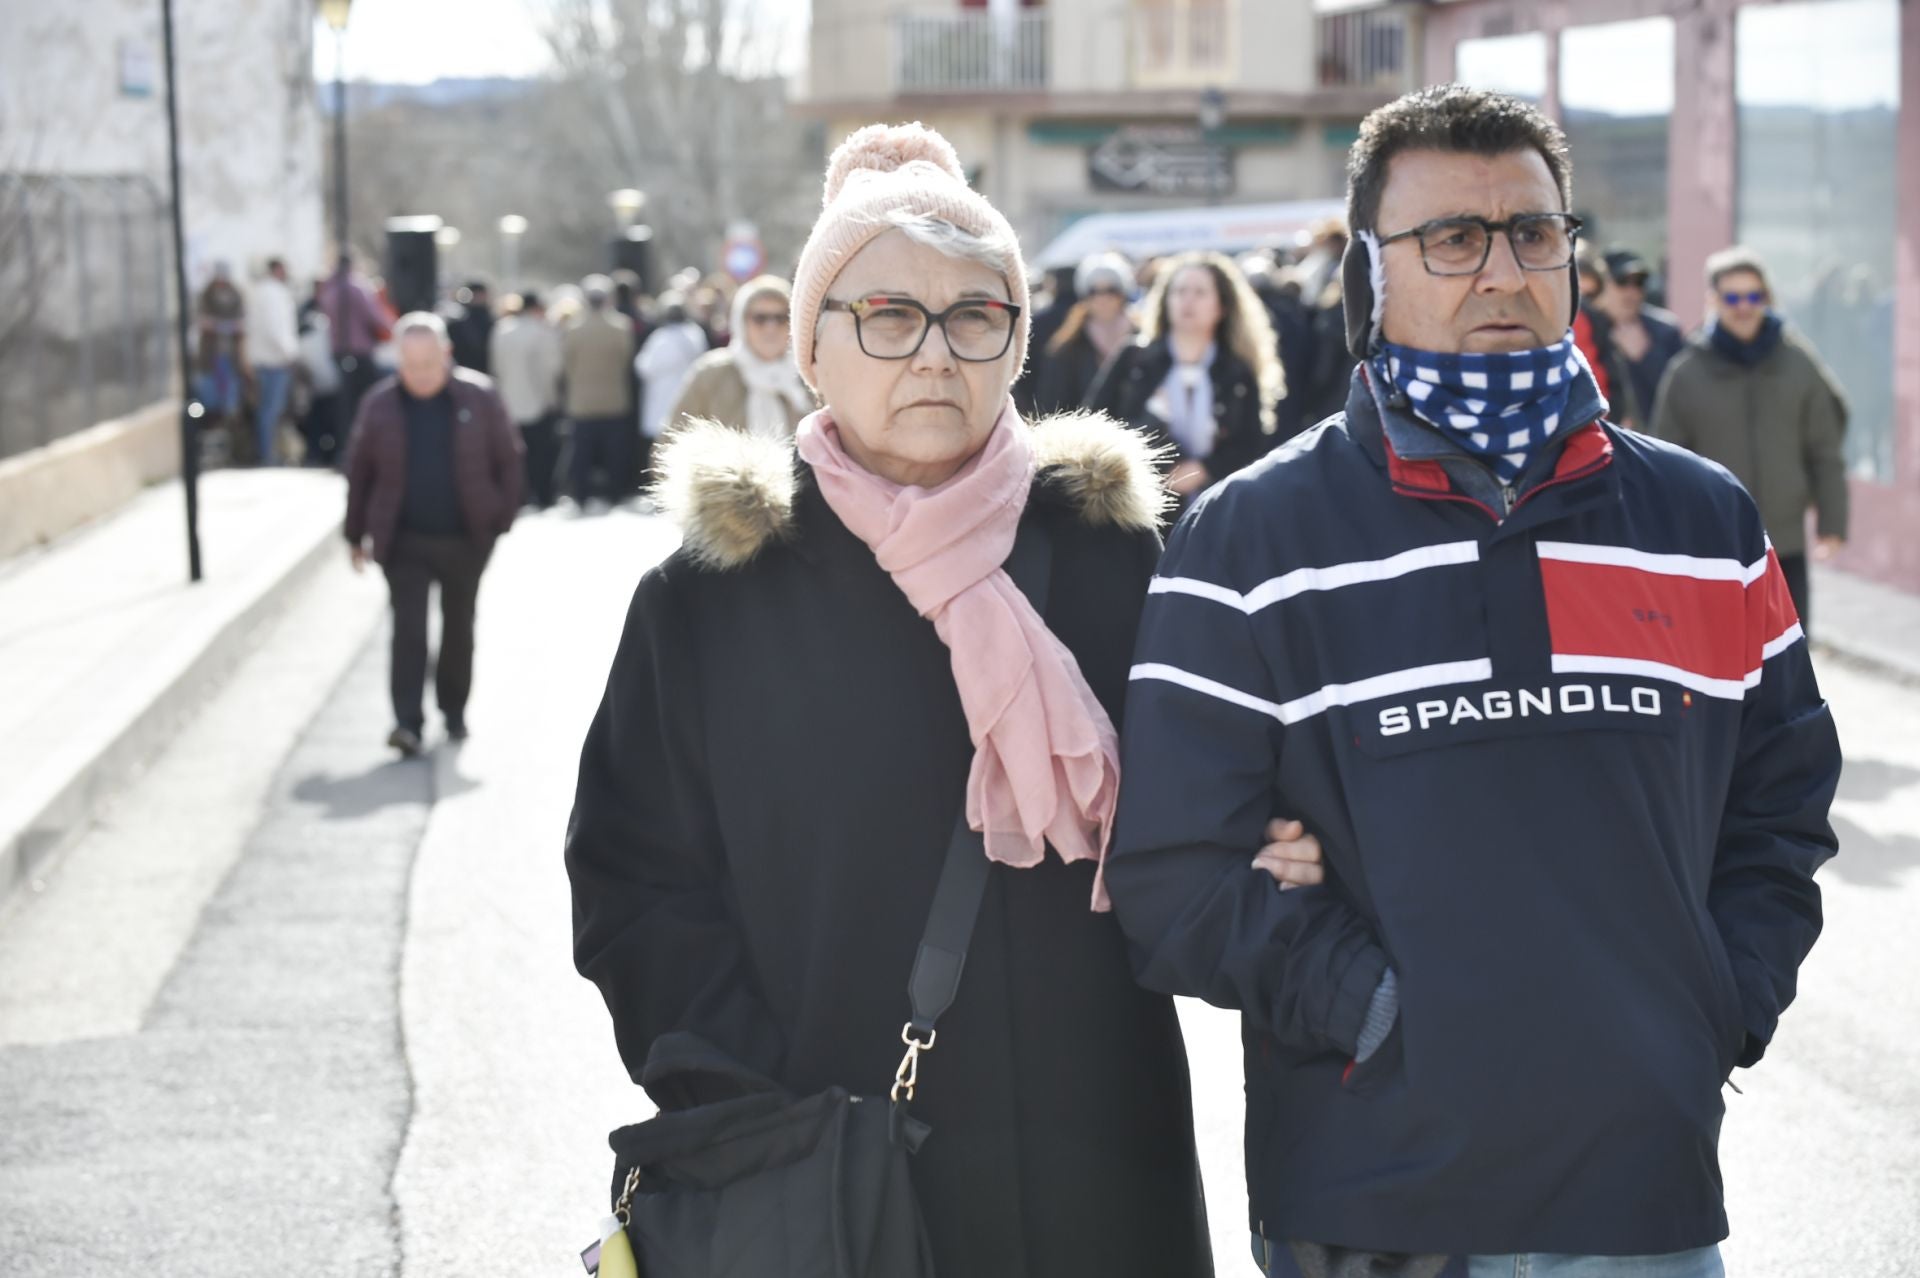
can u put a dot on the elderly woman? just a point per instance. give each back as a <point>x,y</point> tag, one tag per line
<point>830,669</point>
<point>751,383</point>
<point>1205,375</point>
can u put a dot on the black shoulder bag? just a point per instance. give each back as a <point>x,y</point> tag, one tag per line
<point>779,1187</point>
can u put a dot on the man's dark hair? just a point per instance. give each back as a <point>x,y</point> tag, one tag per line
<point>1448,117</point>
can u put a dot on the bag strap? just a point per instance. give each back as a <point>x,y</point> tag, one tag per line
<point>963,878</point>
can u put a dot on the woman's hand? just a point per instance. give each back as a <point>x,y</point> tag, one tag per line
<point>1291,856</point>
<point>1188,478</point>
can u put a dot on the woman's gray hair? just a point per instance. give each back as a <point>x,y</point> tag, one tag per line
<point>999,251</point>
<point>421,322</point>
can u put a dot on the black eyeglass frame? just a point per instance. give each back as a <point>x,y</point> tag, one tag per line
<point>1573,227</point>
<point>860,306</point>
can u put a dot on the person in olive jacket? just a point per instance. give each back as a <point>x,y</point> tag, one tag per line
<point>1204,379</point>
<point>1750,393</point>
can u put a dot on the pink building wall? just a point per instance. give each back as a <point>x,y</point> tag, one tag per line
<point>1701,218</point>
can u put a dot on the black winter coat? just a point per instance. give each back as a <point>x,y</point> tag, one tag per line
<point>1135,372</point>
<point>1067,374</point>
<point>765,798</point>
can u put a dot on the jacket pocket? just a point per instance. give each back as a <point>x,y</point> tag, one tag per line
<point>1365,1078</point>
<point>1730,1022</point>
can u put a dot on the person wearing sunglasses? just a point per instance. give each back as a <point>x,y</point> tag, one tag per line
<point>1750,392</point>
<point>1096,327</point>
<point>1536,684</point>
<point>843,660</point>
<point>751,383</point>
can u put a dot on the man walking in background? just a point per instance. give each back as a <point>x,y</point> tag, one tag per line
<point>433,477</point>
<point>1645,338</point>
<point>1750,393</point>
<point>527,364</point>
<point>598,353</point>
<point>273,347</point>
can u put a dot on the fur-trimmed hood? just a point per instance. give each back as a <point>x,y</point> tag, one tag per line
<point>733,493</point>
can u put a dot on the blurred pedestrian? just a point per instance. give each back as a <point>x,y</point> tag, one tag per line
<point>597,350</point>
<point>1051,307</point>
<point>471,327</point>
<point>1203,377</point>
<point>273,348</point>
<point>433,478</point>
<point>528,364</point>
<point>1535,682</point>
<point>220,321</point>
<point>1327,360</point>
<point>751,384</point>
<point>663,363</point>
<point>1593,334</point>
<point>1096,327</point>
<point>831,674</point>
<point>320,424</point>
<point>359,320</point>
<point>1645,338</point>
<point>1751,393</point>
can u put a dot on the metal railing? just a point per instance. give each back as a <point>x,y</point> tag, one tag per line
<point>1184,43</point>
<point>1368,49</point>
<point>83,304</point>
<point>969,52</point>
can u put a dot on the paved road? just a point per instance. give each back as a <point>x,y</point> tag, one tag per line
<point>295,1000</point>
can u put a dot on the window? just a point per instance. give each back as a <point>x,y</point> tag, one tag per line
<point>1818,91</point>
<point>1616,95</point>
<point>1515,64</point>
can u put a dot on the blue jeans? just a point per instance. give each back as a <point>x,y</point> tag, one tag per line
<point>1704,1263</point>
<point>273,384</point>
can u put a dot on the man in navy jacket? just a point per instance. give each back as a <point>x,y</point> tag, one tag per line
<point>1537,686</point>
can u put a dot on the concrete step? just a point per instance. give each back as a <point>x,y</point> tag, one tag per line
<point>106,650</point>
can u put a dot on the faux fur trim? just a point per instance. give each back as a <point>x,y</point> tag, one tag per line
<point>733,493</point>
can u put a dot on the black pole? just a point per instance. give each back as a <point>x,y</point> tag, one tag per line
<point>343,267</point>
<point>189,406</point>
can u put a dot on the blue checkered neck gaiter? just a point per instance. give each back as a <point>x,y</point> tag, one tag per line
<point>1500,407</point>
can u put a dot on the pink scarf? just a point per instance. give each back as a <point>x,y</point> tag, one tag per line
<point>1046,762</point>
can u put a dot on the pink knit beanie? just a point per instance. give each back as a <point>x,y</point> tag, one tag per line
<point>880,170</point>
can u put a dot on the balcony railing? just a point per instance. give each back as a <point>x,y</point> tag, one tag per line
<point>1184,43</point>
<point>1367,49</point>
<point>969,52</point>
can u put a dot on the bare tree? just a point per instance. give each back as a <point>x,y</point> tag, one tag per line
<point>682,98</point>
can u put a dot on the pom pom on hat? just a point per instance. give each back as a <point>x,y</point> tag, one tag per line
<point>885,148</point>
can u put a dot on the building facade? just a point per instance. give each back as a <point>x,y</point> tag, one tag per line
<point>1064,108</point>
<point>1792,126</point>
<point>85,250</point>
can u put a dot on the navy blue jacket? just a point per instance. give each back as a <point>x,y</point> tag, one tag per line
<point>1571,771</point>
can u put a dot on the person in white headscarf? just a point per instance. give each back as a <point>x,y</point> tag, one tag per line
<point>750,384</point>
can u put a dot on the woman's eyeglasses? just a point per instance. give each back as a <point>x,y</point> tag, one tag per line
<point>1460,245</point>
<point>1744,299</point>
<point>769,319</point>
<point>978,331</point>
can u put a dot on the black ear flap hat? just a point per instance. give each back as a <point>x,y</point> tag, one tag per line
<point>1363,288</point>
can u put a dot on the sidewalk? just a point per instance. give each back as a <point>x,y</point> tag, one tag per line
<point>105,650</point>
<point>1868,623</point>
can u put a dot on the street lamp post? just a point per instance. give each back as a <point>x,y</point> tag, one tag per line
<point>512,227</point>
<point>1213,115</point>
<point>190,408</point>
<point>334,12</point>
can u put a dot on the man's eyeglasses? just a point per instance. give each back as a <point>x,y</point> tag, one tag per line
<point>978,331</point>
<point>769,319</point>
<point>1461,245</point>
<point>1744,299</point>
